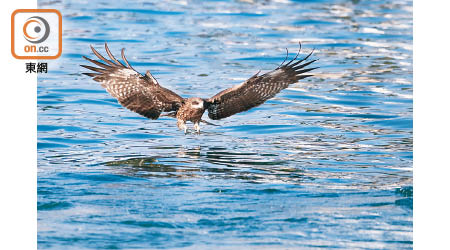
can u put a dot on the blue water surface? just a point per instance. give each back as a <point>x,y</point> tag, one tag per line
<point>327,163</point>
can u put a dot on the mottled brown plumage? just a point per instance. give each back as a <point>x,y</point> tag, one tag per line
<point>192,110</point>
<point>139,93</point>
<point>257,89</point>
<point>143,94</point>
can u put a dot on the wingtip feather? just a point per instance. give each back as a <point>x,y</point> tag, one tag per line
<point>305,70</point>
<point>112,56</point>
<point>93,68</point>
<point>90,74</point>
<point>303,65</point>
<point>125,59</point>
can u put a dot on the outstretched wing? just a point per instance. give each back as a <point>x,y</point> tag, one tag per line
<point>139,93</point>
<point>257,89</point>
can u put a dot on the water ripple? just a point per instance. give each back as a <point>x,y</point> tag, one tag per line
<point>326,163</point>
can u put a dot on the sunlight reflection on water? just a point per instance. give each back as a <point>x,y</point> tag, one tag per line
<point>326,163</point>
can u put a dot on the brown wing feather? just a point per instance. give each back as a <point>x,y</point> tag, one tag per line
<point>139,93</point>
<point>257,89</point>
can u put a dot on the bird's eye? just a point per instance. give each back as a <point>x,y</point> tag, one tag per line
<point>195,103</point>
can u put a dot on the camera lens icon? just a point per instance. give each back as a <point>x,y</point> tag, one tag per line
<point>36,29</point>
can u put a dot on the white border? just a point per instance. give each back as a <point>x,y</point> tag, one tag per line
<point>18,197</point>
<point>431,133</point>
<point>431,125</point>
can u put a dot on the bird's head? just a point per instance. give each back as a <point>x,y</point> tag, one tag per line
<point>196,103</point>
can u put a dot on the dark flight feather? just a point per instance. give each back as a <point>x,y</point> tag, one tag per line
<point>139,93</point>
<point>144,95</point>
<point>257,89</point>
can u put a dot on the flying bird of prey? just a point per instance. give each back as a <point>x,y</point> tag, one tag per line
<point>145,96</point>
